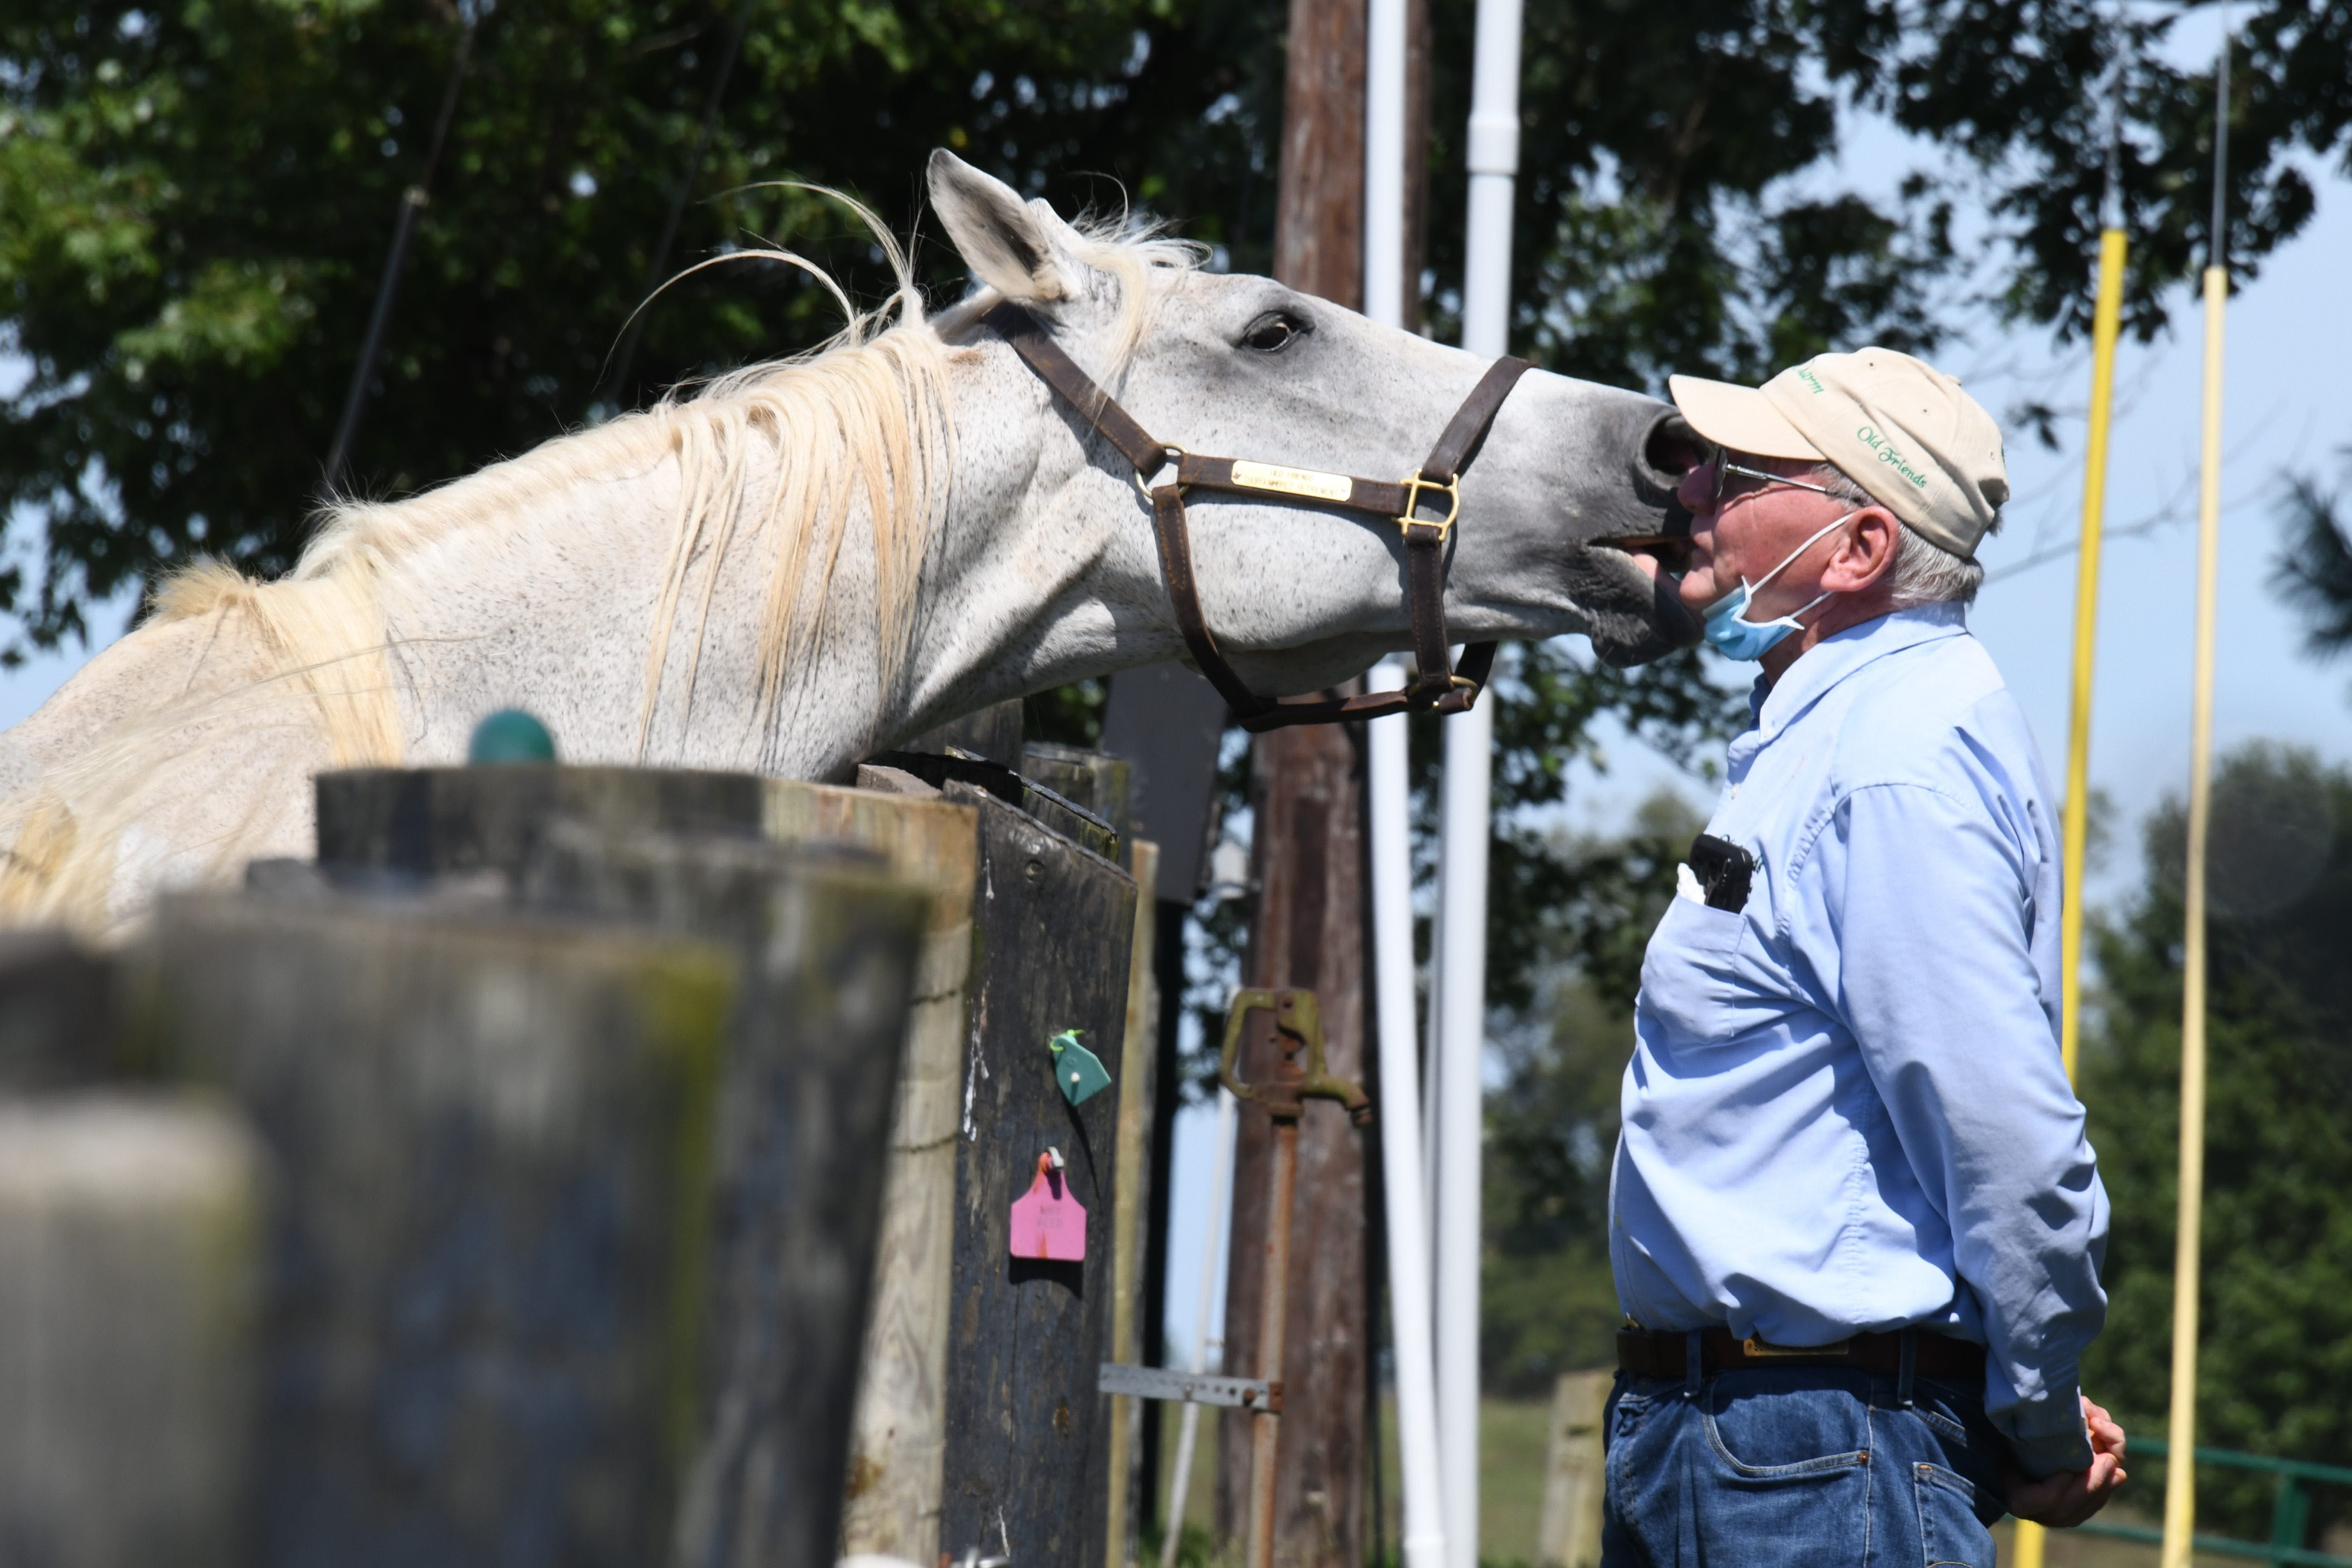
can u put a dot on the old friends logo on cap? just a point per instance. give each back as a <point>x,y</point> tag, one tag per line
<point>1904,431</point>
<point>1870,435</point>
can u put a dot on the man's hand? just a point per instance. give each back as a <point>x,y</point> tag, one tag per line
<point>2070,1497</point>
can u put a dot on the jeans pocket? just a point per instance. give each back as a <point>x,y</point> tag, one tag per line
<point>1765,1429</point>
<point>1972,1449</point>
<point>1950,1532</point>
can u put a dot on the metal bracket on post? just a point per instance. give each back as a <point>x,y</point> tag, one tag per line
<point>1197,1387</point>
<point>1298,1021</point>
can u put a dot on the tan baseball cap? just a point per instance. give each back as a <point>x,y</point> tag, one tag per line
<point>1897,426</point>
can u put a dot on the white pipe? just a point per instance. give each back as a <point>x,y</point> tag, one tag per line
<point>1402,1165</point>
<point>1384,155</point>
<point>1180,1485</point>
<point>1431,1102</point>
<point>1416,1384</point>
<point>1461,945</point>
<point>1494,167</point>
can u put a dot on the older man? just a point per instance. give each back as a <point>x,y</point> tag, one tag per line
<point>1854,1221</point>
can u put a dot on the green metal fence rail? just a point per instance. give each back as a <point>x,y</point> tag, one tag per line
<point>2290,1513</point>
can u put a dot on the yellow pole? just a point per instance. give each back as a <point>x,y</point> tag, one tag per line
<point>2105,324</point>
<point>2180,1482</point>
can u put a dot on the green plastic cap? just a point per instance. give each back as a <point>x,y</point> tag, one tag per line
<point>508,736</point>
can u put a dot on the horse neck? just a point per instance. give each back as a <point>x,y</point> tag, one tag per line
<point>1043,569</point>
<point>1032,563</point>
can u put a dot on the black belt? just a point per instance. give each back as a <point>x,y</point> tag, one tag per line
<point>1647,1352</point>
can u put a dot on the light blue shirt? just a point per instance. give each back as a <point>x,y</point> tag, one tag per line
<point>1846,1109</point>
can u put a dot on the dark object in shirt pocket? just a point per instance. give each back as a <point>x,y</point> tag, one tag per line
<point>1724,870</point>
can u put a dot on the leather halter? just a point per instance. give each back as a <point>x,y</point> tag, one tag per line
<point>1442,688</point>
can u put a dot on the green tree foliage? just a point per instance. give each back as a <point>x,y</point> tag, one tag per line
<point>196,200</point>
<point>2313,571</point>
<point>2275,1369</point>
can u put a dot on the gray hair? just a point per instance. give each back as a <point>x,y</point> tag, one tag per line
<point>1924,572</point>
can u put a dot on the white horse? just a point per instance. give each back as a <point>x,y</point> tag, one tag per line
<point>814,559</point>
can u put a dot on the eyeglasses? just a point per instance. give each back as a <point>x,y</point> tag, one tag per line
<point>1724,466</point>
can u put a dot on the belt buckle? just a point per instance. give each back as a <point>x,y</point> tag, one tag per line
<point>1763,1349</point>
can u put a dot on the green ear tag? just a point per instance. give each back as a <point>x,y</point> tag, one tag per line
<point>1078,1072</point>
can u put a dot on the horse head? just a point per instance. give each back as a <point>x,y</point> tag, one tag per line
<point>1300,594</point>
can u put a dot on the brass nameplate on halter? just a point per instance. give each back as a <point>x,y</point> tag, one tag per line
<point>1293,482</point>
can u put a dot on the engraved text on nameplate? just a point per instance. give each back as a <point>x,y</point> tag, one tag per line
<point>1293,481</point>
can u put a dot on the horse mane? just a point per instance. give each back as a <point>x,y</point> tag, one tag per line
<point>865,416</point>
<point>866,413</point>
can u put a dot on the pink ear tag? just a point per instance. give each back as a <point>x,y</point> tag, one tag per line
<point>1047,1222</point>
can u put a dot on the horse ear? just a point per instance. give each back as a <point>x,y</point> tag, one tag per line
<point>1000,239</point>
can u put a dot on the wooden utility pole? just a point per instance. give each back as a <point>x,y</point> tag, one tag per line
<point>1308,930</point>
<point>1309,933</point>
<point>1416,158</point>
<point>1318,220</point>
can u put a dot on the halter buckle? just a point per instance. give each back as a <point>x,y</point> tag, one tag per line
<point>1413,486</point>
<point>1169,452</point>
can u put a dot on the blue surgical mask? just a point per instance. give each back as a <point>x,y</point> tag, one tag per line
<point>1732,635</point>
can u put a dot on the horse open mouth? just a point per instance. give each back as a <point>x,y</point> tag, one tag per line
<point>1665,544</point>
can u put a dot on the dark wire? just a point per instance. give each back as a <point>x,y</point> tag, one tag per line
<point>413,202</point>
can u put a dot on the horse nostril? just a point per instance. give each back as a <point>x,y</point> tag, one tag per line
<point>1672,448</point>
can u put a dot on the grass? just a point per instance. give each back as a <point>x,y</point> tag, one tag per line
<point>1510,1486</point>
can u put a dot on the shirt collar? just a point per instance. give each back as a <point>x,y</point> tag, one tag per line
<point>1819,667</point>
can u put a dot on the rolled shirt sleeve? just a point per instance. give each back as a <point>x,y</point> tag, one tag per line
<point>1942,924</point>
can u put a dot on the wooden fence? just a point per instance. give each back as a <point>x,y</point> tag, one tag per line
<point>580,1165</point>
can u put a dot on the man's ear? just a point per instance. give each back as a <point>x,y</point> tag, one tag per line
<point>1885,527</point>
<point>1003,241</point>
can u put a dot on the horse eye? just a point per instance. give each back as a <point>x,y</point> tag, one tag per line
<point>1274,331</point>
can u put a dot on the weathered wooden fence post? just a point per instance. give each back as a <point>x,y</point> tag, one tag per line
<point>828,952</point>
<point>127,1266</point>
<point>1025,1464</point>
<point>57,1013</point>
<point>978,1422</point>
<point>899,1431</point>
<point>128,1259</point>
<point>1569,1533</point>
<point>494,1144</point>
<point>1100,782</point>
<point>445,821</point>
<point>1103,784</point>
<point>805,1099</point>
<point>1136,1084</point>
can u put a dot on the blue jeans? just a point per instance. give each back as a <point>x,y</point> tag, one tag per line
<point>1807,1467</point>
